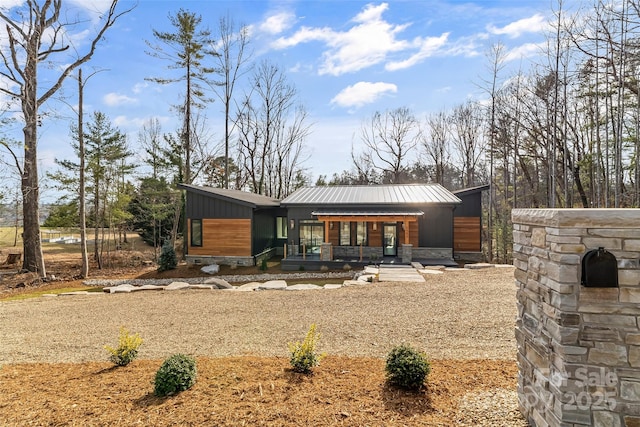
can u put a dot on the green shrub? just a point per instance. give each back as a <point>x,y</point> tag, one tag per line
<point>177,373</point>
<point>263,264</point>
<point>303,354</point>
<point>168,259</point>
<point>127,349</point>
<point>407,367</point>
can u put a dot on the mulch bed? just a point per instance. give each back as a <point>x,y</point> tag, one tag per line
<point>252,391</point>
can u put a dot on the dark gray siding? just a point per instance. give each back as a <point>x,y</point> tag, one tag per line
<point>471,205</point>
<point>199,206</point>
<point>264,231</point>
<point>297,214</point>
<point>436,228</point>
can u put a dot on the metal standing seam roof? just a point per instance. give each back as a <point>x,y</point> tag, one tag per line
<point>372,195</point>
<point>258,200</point>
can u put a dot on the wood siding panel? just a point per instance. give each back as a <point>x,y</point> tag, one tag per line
<point>224,237</point>
<point>374,236</point>
<point>334,234</point>
<point>466,234</point>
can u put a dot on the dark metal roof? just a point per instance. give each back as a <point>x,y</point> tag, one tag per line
<point>471,190</point>
<point>372,195</point>
<point>243,197</point>
<point>367,213</point>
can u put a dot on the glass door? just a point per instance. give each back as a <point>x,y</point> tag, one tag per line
<point>311,236</point>
<point>389,239</point>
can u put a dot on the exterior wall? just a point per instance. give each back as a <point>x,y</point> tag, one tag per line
<point>223,237</point>
<point>466,234</point>
<point>578,347</point>
<point>436,228</point>
<point>471,204</point>
<point>264,231</point>
<point>432,253</point>
<point>200,207</point>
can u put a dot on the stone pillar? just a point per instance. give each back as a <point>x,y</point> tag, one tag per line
<point>578,347</point>
<point>407,253</point>
<point>325,251</point>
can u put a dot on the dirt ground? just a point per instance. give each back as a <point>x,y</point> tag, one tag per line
<point>244,377</point>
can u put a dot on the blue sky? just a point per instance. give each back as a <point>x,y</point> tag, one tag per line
<point>347,59</point>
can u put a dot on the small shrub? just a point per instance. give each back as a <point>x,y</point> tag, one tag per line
<point>407,367</point>
<point>168,259</point>
<point>127,349</point>
<point>303,354</point>
<point>324,268</point>
<point>263,264</point>
<point>301,268</point>
<point>177,373</point>
<point>346,267</point>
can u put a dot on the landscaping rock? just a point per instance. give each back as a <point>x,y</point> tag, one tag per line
<point>369,278</point>
<point>303,287</point>
<point>332,286</point>
<point>220,283</point>
<point>124,288</point>
<point>251,286</point>
<point>478,265</point>
<point>66,294</point>
<point>354,283</point>
<point>208,287</point>
<point>210,269</point>
<point>435,267</point>
<point>277,285</point>
<point>149,288</point>
<point>371,270</point>
<point>176,286</point>
<point>427,271</point>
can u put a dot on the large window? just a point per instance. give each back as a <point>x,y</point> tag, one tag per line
<point>281,227</point>
<point>345,233</point>
<point>350,238</point>
<point>311,236</point>
<point>196,232</point>
<point>361,233</point>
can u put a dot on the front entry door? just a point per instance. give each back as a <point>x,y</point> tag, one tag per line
<point>389,239</point>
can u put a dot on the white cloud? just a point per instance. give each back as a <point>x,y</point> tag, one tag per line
<point>8,4</point>
<point>363,93</point>
<point>138,87</point>
<point>276,24</point>
<point>113,99</point>
<point>429,46</point>
<point>524,51</point>
<point>365,44</point>
<point>534,24</point>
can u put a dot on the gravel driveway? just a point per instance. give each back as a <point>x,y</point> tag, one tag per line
<point>467,314</point>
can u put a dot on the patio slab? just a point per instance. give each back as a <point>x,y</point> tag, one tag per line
<point>399,273</point>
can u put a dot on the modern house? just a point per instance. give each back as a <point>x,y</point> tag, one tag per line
<point>231,226</point>
<point>317,226</point>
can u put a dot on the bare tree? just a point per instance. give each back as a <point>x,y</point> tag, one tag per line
<point>272,129</point>
<point>35,33</point>
<point>389,139</point>
<point>435,144</point>
<point>231,57</point>
<point>467,139</point>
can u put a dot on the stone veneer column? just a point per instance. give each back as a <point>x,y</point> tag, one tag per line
<point>407,253</point>
<point>578,347</point>
<point>325,252</point>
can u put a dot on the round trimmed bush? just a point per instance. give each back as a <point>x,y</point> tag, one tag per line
<point>177,373</point>
<point>407,367</point>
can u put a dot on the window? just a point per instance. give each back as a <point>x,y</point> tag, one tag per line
<point>345,233</point>
<point>281,227</point>
<point>311,236</point>
<point>361,233</point>
<point>196,232</point>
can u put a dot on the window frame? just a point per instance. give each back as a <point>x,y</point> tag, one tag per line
<point>192,234</point>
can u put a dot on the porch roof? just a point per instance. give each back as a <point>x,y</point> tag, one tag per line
<point>403,213</point>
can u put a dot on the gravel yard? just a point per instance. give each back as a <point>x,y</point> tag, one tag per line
<point>467,314</point>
